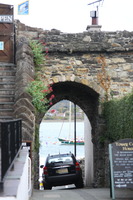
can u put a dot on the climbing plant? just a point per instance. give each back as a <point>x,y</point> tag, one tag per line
<point>39,93</point>
<point>118,115</point>
<point>42,95</point>
<point>37,88</point>
<point>37,49</point>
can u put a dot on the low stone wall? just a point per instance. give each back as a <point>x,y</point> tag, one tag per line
<point>16,181</point>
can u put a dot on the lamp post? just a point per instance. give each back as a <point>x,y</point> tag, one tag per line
<point>75,130</point>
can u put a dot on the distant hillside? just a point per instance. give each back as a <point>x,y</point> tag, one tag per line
<point>61,111</point>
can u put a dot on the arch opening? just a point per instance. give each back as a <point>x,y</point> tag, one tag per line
<point>87,99</point>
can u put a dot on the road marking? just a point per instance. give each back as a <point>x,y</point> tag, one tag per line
<point>52,196</point>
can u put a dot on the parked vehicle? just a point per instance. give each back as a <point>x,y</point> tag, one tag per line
<point>61,169</point>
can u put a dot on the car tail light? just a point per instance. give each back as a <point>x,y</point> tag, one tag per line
<point>45,170</point>
<point>77,166</point>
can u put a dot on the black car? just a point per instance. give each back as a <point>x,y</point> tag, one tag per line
<point>61,169</point>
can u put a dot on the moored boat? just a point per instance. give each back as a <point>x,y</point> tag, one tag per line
<point>66,141</point>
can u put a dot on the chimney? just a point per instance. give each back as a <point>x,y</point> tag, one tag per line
<point>94,26</point>
<point>94,16</point>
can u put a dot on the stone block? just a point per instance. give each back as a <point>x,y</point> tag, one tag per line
<point>84,81</point>
<point>87,38</point>
<point>117,60</point>
<point>24,102</point>
<point>26,135</point>
<point>29,34</point>
<point>55,79</point>
<point>82,70</point>
<point>29,116</point>
<point>25,67</point>
<point>28,128</point>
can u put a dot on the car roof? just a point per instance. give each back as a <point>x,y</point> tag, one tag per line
<point>60,154</point>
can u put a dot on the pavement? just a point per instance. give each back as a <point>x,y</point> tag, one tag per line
<point>71,193</point>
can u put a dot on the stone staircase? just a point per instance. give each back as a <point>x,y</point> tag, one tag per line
<point>7,90</point>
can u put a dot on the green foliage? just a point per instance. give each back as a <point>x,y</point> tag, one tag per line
<point>37,50</point>
<point>39,93</point>
<point>119,118</point>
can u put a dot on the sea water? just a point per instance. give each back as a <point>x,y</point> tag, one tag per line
<point>49,133</point>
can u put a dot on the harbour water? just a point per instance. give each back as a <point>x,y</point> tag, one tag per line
<point>49,133</point>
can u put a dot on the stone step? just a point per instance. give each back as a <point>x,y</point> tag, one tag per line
<point>7,91</point>
<point>7,67</point>
<point>6,117</point>
<point>6,105</point>
<point>6,64</point>
<point>7,72</point>
<point>6,112</point>
<point>6,98</point>
<point>7,78</point>
<point>2,68</point>
<point>7,85</point>
<point>6,82</point>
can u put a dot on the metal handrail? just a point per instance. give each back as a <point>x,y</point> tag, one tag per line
<point>10,144</point>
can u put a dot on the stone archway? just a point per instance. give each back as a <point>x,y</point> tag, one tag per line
<point>85,97</point>
<point>88,100</point>
<point>82,92</point>
<point>73,67</point>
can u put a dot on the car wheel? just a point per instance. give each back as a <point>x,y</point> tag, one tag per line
<point>47,186</point>
<point>79,183</point>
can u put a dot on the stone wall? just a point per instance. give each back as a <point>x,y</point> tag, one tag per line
<point>23,107</point>
<point>72,66</point>
<point>73,57</point>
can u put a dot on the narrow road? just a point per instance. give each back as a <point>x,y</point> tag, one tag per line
<point>71,193</point>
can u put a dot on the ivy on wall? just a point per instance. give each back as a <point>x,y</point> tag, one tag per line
<point>37,50</point>
<point>118,115</point>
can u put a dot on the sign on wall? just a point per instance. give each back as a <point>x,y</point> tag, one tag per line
<point>6,18</point>
<point>6,33</point>
<point>121,164</point>
<point>23,8</point>
<point>1,45</point>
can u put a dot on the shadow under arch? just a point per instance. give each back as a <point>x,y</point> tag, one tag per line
<point>83,96</point>
<point>88,100</point>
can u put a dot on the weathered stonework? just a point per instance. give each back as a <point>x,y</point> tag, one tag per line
<point>71,66</point>
<point>23,108</point>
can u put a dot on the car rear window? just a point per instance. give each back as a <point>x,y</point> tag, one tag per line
<point>61,159</point>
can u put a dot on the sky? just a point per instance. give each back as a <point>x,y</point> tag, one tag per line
<point>73,16</point>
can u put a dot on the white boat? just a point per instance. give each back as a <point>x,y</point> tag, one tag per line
<point>69,140</point>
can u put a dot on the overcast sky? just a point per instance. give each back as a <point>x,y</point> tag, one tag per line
<point>73,16</point>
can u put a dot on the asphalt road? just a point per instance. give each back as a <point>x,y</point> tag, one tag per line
<point>71,193</point>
